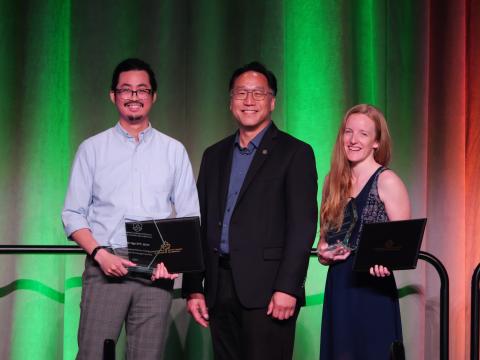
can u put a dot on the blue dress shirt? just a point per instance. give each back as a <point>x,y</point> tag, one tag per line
<point>241,160</point>
<point>115,177</point>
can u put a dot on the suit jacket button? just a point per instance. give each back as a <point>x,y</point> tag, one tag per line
<point>215,250</point>
<point>219,224</point>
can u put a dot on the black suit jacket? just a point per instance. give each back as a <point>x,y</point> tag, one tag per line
<point>273,225</point>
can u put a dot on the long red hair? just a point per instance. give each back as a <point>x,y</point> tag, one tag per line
<point>338,183</point>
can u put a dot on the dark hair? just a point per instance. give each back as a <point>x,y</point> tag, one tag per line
<point>259,68</point>
<point>133,64</point>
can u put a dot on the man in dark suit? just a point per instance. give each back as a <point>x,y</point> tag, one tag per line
<point>258,203</point>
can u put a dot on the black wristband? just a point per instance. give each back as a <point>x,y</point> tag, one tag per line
<point>94,252</point>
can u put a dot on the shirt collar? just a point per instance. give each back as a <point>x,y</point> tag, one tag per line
<point>143,135</point>
<point>255,142</point>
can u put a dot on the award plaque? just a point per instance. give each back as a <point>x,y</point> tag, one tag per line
<point>394,244</point>
<point>175,242</point>
<point>341,237</point>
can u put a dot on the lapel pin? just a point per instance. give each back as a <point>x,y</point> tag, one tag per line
<point>264,151</point>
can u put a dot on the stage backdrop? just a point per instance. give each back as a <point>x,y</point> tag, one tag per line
<point>416,60</point>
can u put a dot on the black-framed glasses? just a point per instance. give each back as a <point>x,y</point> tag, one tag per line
<point>257,94</point>
<point>125,94</point>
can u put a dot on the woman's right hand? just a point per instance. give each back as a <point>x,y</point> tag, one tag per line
<point>327,256</point>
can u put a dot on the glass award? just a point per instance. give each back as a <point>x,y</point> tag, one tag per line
<point>342,236</point>
<point>175,242</point>
<point>144,243</point>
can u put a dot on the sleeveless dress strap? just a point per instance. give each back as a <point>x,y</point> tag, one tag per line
<point>374,209</point>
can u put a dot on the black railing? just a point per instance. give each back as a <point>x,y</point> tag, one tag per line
<point>41,249</point>
<point>109,349</point>
<point>444,299</point>
<point>108,345</point>
<point>442,272</point>
<point>474,314</point>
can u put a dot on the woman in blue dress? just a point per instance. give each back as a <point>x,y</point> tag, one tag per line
<point>361,315</point>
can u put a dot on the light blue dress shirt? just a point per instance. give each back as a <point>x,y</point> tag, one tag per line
<point>115,177</point>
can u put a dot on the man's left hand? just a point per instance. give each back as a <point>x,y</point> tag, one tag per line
<point>282,305</point>
<point>161,272</point>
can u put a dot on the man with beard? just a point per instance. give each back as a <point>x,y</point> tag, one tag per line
<point>130,169</point>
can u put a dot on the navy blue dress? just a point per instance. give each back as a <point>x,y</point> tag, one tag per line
<point>361,313</point>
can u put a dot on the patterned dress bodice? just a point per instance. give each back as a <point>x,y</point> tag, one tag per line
<point>369,206</point>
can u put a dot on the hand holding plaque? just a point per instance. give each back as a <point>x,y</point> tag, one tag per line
<point>174,242</point>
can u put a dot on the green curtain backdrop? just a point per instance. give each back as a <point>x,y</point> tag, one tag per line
<point>416,60</point>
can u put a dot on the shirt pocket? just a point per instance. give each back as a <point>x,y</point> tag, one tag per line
<point>159,183</point>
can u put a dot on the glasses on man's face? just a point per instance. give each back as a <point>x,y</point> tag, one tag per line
<point>126,94</point>
<point>241,94</point>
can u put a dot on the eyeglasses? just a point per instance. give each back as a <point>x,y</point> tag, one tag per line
<point>242,94</point>
<point>125,94</point>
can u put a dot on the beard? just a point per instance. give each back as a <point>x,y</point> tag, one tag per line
<point>134,119</point>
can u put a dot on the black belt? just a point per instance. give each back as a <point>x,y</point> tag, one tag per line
<point>224,261</point>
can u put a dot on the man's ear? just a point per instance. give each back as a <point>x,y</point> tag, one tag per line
<point>272,104</point>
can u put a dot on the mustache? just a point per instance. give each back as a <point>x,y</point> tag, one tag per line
<point>133,102</point>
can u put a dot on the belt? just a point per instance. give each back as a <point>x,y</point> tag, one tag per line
<point>224,261</point>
